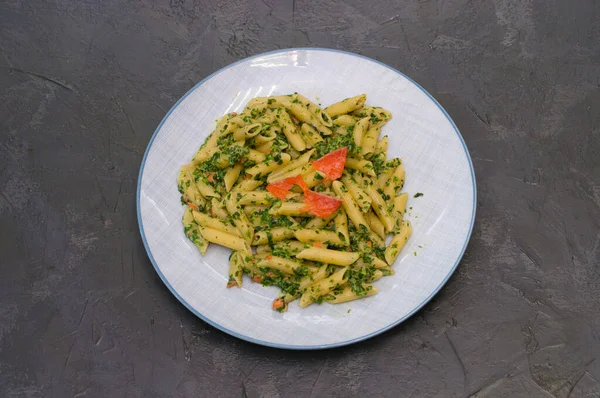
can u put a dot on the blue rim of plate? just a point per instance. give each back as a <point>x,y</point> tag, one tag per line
<point>308,347</point>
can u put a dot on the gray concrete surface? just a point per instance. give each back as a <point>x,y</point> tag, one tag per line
<point>83,84</point>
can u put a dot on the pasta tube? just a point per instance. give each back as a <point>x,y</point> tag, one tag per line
<point>329,256</point>
<point>348,295</point>
<point>323,287</point>
<point>224,239</point>
<point>352,209</point>
<point>398,242</point>
<point>346,106</point>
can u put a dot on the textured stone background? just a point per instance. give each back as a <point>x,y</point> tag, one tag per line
<point>83,84</point>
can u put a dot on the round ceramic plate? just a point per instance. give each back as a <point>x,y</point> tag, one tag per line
<point>437,165</point>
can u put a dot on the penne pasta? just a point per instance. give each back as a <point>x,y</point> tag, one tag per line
<point>313,178</point>
<point>205,188</point>
<point>290,166</point>
<point>375,224</point>
<point>303,114</point>
<point>246,185</point>
<point>290,131</point>
<point>361,165</point>
<point>398,242</point>
<point>233,124</point>
<point>231,176</point>
<point>362,199</point>
<point>192,232</point>
<point>256,156</point>
<point>319,222</point>
<point>384,178</point>
<point>376,113</point>
<point>279,263</point>
<point>268,166</point>
<point>289,209</point>
<point>205,220</point>
<point>382,146</point>
<point>399,207</point>
<point>318,275</point>
<point>372,260</point>
<point>320,114</point>
<point>239,218</point>
<point>276,234</point>
<point>380,207</point>
<point>255,198</point>
<point>235,270</point>
<point>210,145</point>
<point>189,192</point>
<point>247,132</point>
<point>346,294</point>
<point>248,265</point>
<point>266,136</point>
<point>323,287</point>
<point>328,256</point>
<point>217,209</point>
<point>360,129</point>
<point>346,106</point>
<point>277,177</point>
<point>290,247</point>
<point>395,182</point>
<point>351,208</point>
<point>369,141</point>
<point>249,210</point>
<point>341,227</point>
<point>224,239</point>
<point>317,235</point>
<point>205,154</point>
<point>344,120</point>
<point>378,274</point>
<point>263,248</point>
<point>310,134</point>
<point>292,173</point>
<point>265,147</point>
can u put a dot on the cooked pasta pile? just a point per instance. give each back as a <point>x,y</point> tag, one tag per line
<point>310,189</point>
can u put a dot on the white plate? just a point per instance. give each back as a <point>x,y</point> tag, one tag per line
<point>437,164</point>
